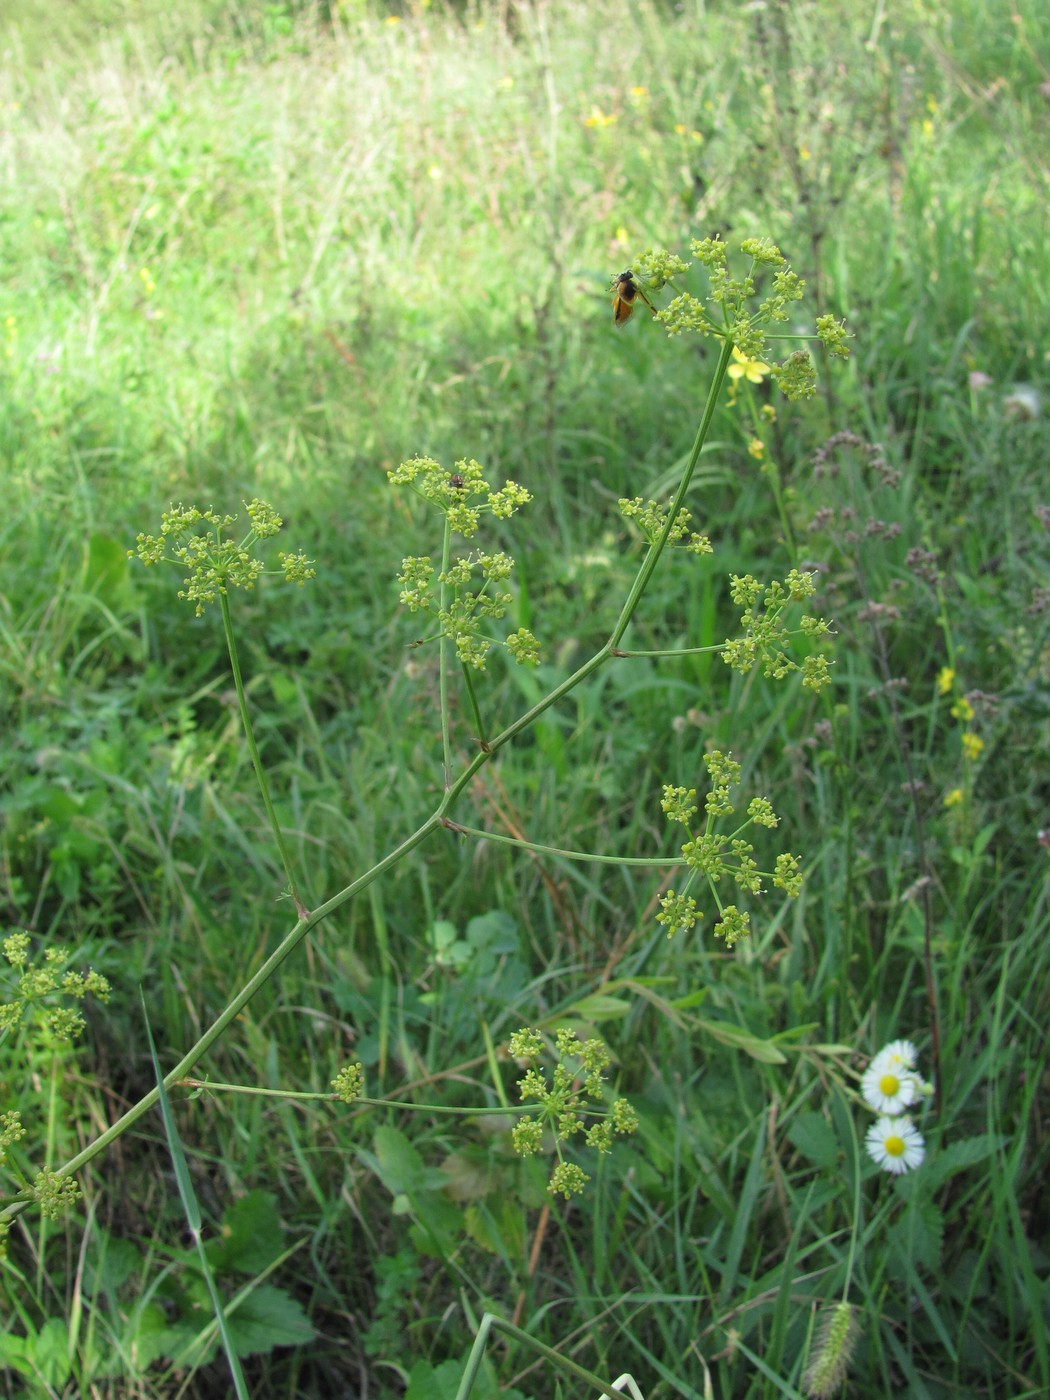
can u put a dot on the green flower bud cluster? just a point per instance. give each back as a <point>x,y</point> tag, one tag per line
<point>651,519</point>
<point>54,1193</point>
<point>730,313</point>
<point>462,494</point>
<point>716,855</point>
<point>467,592</point>
<point>349,1083</point>
<point>36,982</point>
<point>565,1100</point>
<point>214,562</point>
<point>764,635</point>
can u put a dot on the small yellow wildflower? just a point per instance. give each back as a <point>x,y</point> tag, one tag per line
<point>962,710</point>
<point>599,118</point>
<point>945,680</point>
<point>754,370</point>
<point>757,449</point>
<point>804,153</point>
<point>972,744</point>
<point>953,798</point>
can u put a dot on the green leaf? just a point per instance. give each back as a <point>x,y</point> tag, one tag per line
<point>426,1382</point>
<point>497,931</point>
<point>741,1039</point>
<point>268,1317</point>
<point>399,1166</point>
<point>959,1156</point>
<point>250,1237</point>
<point>815,1138</point>
<point>597,1008</point>
<point>106,572</point>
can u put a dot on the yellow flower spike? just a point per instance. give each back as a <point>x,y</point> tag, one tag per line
<point>972,745</point>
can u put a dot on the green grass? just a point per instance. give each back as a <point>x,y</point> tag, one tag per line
<point>266,251</point>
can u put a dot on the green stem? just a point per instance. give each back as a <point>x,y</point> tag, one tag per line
<point>646,862</point>
<point>304,1096</point>
<point>622,655</point>
<point>479,727</point>
<point>446,741</point>
<point>253,749</point>
<point>652,558</point>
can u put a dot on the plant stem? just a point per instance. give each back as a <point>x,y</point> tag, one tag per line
<point>253,749</point>
<point>446,722</point>
<point>302,1095</point>
<point>647,862</point>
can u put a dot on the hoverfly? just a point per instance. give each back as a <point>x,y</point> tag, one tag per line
<point>627,290</point>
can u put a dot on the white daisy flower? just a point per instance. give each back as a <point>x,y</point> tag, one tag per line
<point>899,1054</point>
<point>888,1088</point>
<point>895,1144</point>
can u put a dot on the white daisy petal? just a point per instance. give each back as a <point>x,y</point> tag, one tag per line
<point>888,1089</point>
<point>895,1144</point>
<point>899,1054</point>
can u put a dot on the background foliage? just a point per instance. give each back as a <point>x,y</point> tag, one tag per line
<point>270,250</point>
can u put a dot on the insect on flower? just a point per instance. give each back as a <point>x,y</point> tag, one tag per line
<point>456,481</point>
<point>627,290</point>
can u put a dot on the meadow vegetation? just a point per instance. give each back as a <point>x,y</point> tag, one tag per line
<point>270,252</point>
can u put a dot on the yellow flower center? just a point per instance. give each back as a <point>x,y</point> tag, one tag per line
<point>889,1085</point>
<point>894,1145</point>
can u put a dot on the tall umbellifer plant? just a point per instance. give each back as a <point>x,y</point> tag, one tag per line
<point>460,596</point>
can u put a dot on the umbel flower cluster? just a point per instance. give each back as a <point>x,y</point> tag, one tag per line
<point>214,562</point>
<point>462,593</point>
<point>731,312</point>
<point>713,855</point>
<point>563,1101</point>
<point>890,1086</point>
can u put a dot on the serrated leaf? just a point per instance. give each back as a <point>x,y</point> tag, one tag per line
<point>815,1138</point>
<point>497,931</point>
<point>427,1382</point>
<point>268,1317</point>
<point>923,1226</point>
<point>249,1237</point>
<point>959,1156</point>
